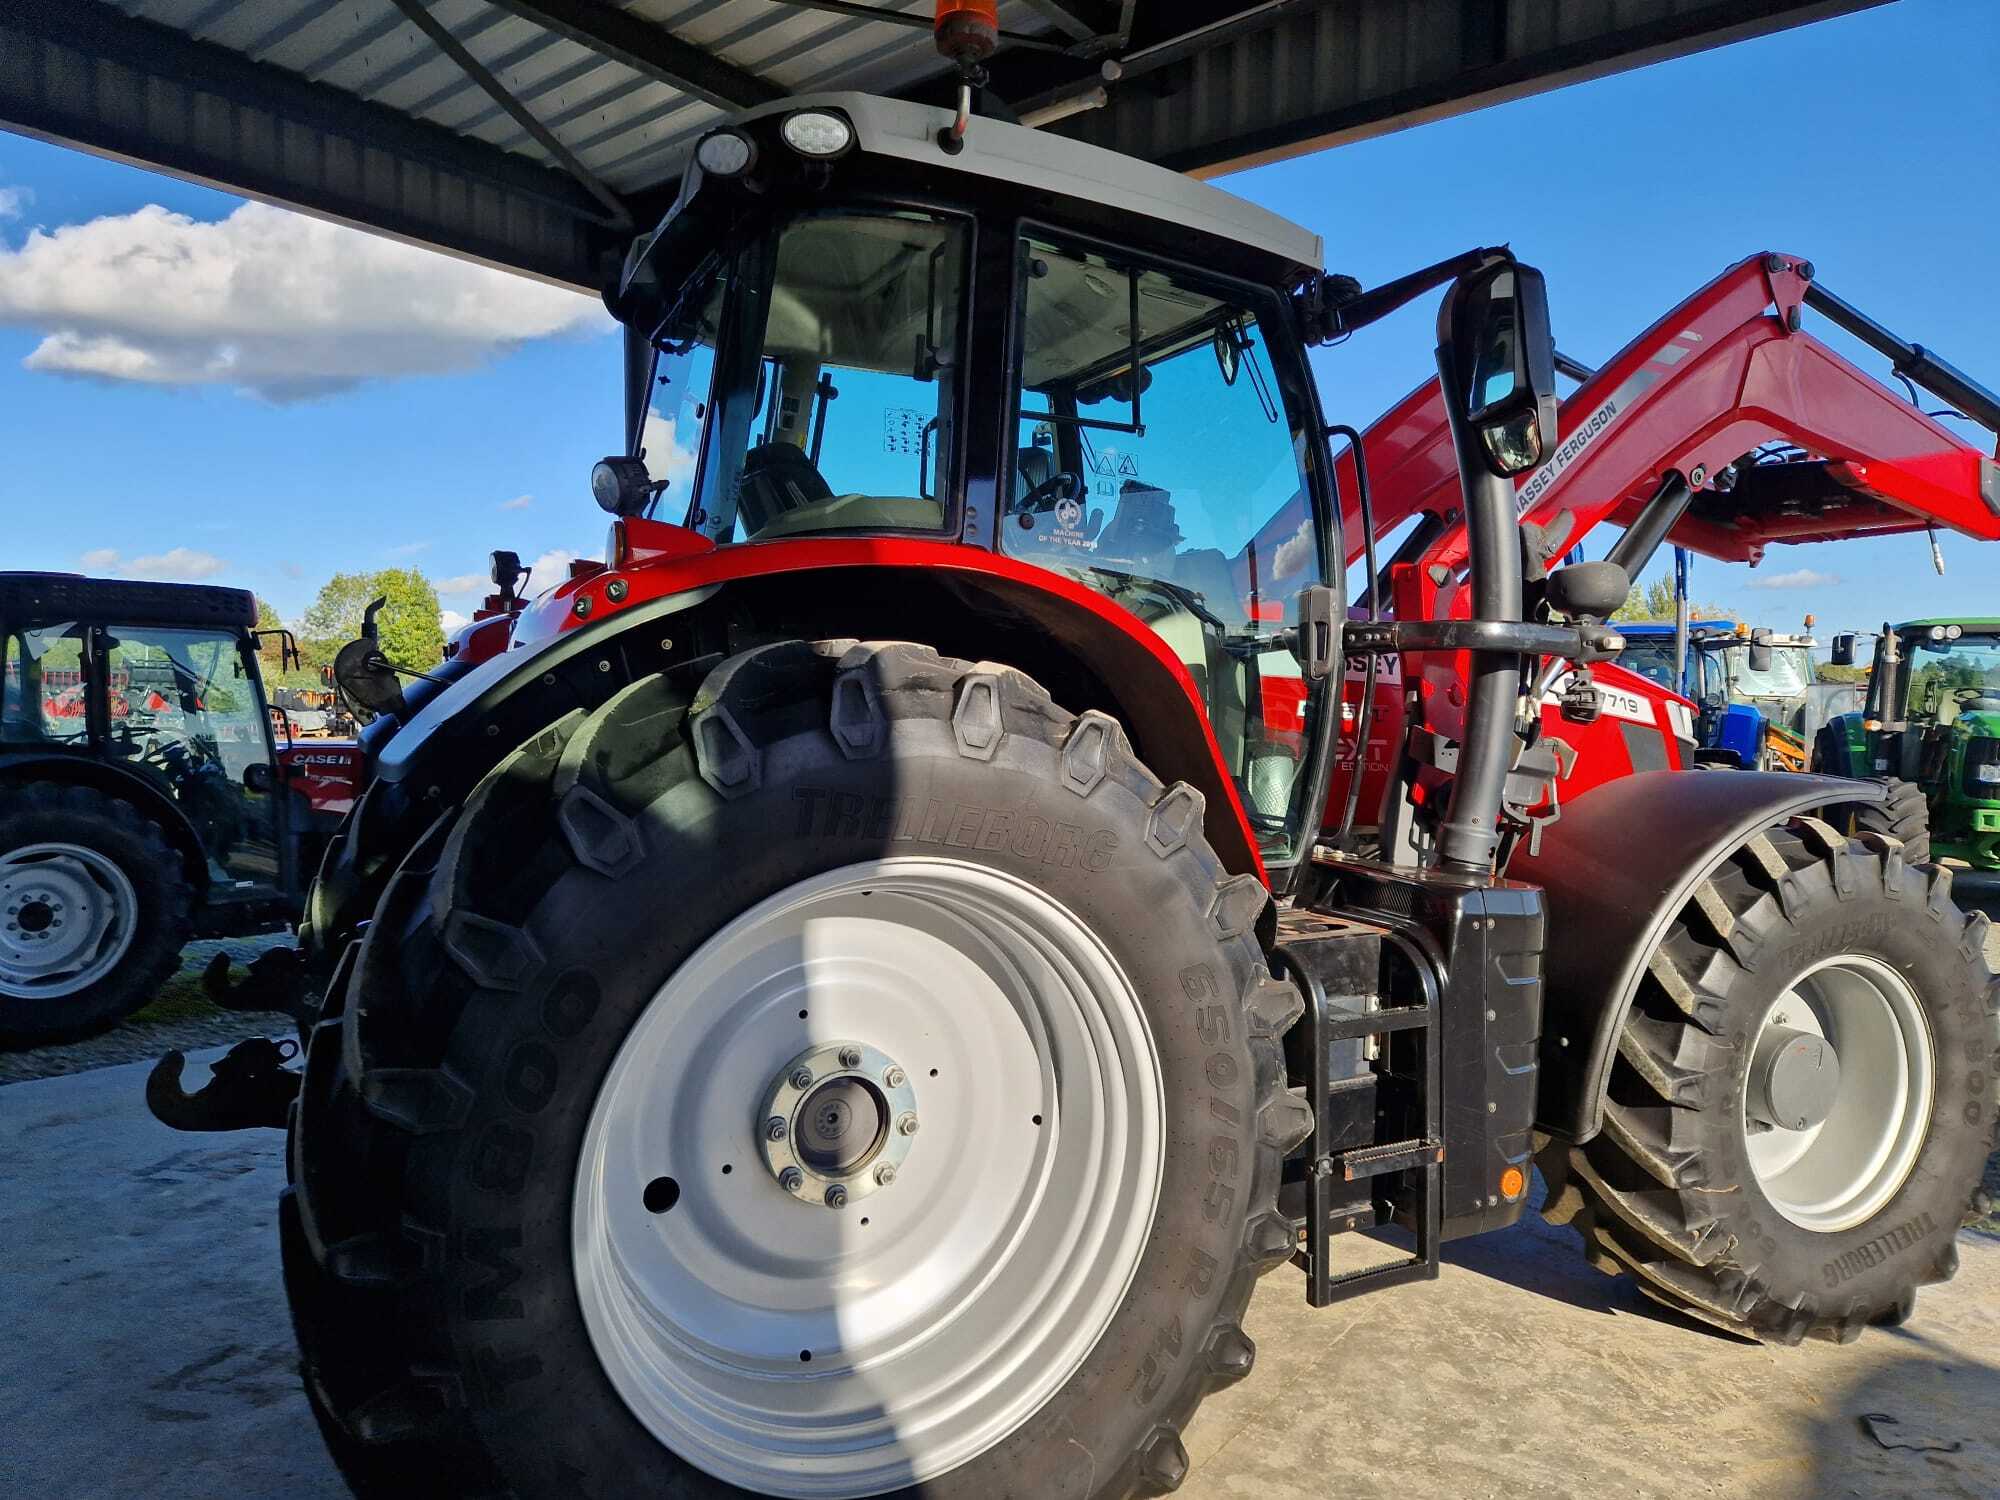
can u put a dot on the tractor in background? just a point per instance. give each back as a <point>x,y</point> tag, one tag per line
<point>143,799</point>
<point>1758,698</point>
<point>1932,718</point>
<point>852,997</point>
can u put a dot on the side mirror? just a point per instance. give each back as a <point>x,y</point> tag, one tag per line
<point>1843,649</point>
<point>366,680</point>
<point>1762,657</point>
<point>1504,364</point>
<point>259,777</point>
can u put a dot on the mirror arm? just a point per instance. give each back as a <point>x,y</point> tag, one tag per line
<point>1376,303</point>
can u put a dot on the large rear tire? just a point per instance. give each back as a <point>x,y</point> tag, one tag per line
<point>544,1238</point>
<point>1732,1179</point>
<point>94,912</point>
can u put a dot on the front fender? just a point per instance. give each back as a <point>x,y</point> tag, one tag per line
<point>1617,868</point>
<point>1841,746</point>
<point>117,781</point>
<point>963,600</point>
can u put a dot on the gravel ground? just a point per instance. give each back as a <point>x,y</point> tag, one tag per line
<point>181,1017</point>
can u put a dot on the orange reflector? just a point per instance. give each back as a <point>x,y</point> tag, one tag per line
<point>1513,1183</point>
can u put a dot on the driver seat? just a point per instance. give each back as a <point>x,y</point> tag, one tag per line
<point>1033,468</point>
<point>777,477</point>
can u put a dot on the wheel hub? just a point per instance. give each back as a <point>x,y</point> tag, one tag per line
<point>66,917</point>
<point>1794,1079</point>
<point>838,1122</point>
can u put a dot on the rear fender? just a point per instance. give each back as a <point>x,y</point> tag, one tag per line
<point>965,602</point>
<point>114,781</point>
<point>1616,870</point>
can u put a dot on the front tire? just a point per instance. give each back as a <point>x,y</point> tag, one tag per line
<point>542,1239</point>
<point>1732,1182</point>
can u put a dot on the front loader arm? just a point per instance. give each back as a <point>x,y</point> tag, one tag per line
<point>1727,371</point>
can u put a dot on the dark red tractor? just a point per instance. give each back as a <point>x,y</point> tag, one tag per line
<point>852,997</point>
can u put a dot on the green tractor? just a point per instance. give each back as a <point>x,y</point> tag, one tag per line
<point>1932,718</point>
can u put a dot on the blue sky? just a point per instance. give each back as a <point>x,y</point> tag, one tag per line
<point>1867,144</point>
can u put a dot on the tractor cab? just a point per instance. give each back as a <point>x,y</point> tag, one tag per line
<point>849,331</point>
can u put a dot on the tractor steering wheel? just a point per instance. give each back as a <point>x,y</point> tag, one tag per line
<point>1059,486</point>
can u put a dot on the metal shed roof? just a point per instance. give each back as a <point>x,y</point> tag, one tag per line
<point>534,133</point>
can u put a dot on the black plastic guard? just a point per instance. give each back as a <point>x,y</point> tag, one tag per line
<point>1624,860</point>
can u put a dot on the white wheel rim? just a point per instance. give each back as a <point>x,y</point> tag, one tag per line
<point>983,1276</point>
<point>1842,1171</point>
<point>67,915</point>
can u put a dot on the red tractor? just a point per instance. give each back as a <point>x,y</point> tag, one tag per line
<point>852,997</point>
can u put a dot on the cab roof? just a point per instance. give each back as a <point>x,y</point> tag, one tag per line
<point>1037,160</point>
<point>1964,622</point>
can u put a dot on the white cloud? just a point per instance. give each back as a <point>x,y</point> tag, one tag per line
<point>267,301</point>
<point>1798,578</point>
<point>13,200</point>
<point>292,569</point>
<point>180,565</point>
<point>548,570</point>
<point>668,458</point>
<point>408,549</point>
<point>452,620</point>
<point>464,583</point>
<point>1294,553</point>
<point>519,502</point>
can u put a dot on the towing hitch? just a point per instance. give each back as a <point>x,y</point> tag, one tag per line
<point>276,982</point>
<point>251,1089</point>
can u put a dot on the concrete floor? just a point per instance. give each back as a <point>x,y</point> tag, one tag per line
<point>148,1353</point>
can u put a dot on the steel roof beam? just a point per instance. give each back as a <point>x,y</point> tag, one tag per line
<point>494,89</point>
<point>646,48</point>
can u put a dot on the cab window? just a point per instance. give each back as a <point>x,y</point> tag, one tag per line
<point>1156,461</point>
<point>835,401</point>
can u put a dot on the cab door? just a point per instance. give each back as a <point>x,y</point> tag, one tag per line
<point>185,708</point>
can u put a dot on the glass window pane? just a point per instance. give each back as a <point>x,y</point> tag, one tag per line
<point>1156,461</point>
<point>840,412</point>
<point>184,711</point>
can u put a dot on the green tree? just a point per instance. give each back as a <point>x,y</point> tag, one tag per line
<point>410,631</point>
<point>1656,602</point>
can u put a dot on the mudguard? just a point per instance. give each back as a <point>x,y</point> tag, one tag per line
<point>565,657</point>
<point>1616,870</point>
<point>115,780</point>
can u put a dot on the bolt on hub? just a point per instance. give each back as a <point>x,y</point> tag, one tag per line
<point>836,1122</point>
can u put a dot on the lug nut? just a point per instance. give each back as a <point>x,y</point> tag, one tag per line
<point>836,1196</point>
<point>791,1179</point>
<point>774,1128</point>
<point>884,1175</point>
<point>893,1078</point>
<point>850,1057</point>
<point>802,1078</point>
<point>907,1125</point>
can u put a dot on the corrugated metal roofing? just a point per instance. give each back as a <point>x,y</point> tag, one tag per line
<point>623,125</point>
<point>368,111</point>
